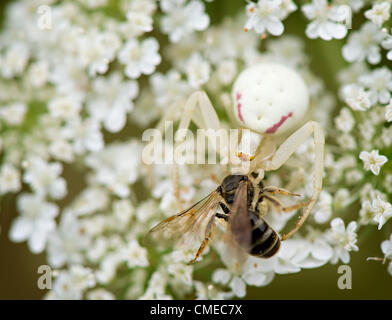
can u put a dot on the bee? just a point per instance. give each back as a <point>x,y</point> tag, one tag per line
<point>243,200</point>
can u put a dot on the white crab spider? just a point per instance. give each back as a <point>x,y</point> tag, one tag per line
<point>271,100</point>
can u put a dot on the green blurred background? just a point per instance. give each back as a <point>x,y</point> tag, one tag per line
<point>18,267</point>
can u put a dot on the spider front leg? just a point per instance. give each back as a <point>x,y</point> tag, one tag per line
<point>287,148</point>
<point>199,109</point>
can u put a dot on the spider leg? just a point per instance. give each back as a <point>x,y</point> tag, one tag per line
<point>284,152</point>
<point>199,109</point>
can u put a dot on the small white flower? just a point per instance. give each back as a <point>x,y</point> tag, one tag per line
<point>168,88</point>
<point>379,13</point>
<point>265,15</point>
<point>13,113</point>
<point>112,100</point>
<point>286,7</point>
<point>382,210</point>
<point>61,150</point>
<point>70,284</point>
<point>84,134</point>
<point>197,70</point>
<point>100,294</point>
<point>97,50</point>
<point>226,71</point>
<point>356,97</point>
<point>366,213</point>
<point>345,121</point>
<point>93,4</point>
<point>364,44</point>
<point>116,167</point>
<point>342,239</point>
<point>15,59</point>
<point>288,50</point>
<point>67,243</point>
<point>342,198</point>
<point>9,179</point>
<point>386,247</point>
<point>238,287</point>
<point>35,222</point>
<point>323,210</point>
<point>65,107</point>
<point>39,74</point>
<point>181,272</point>
<point>327,20</point>
<point>135,255</point>
<point>44,178</point>
<point>311,252</point>
<point>221,276</point>
<point>372,161</point>
<point>139,58</point>
<point>388,112</point>
<point>387,45</point>
<point>347,141</point>
<point>123,210</point>
<point>138,23</point>
<point>182,19</point>
<point>379,83</point>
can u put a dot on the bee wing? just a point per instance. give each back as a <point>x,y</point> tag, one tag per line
<point>240,225</point>
<point>238,237</point>
<point>188,226</point>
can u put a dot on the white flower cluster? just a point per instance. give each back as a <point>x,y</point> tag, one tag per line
<point>74,98</point>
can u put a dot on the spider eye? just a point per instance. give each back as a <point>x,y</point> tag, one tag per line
<point>270,98</point>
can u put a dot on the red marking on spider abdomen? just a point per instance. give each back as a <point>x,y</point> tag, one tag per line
<point>277,125</point>
<point>238,97</point>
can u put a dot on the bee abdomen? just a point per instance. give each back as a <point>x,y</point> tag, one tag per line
<point>265,240</point>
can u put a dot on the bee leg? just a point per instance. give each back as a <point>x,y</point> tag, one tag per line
<point>281,191</point>
<point>176,186</point>
<point>222,216</point>
<point>275,202</point>
<point>207,237</point>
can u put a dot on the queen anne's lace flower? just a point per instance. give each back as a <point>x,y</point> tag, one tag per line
<point>373,161</point>
<point>343,240</point>
<point>116,167</point>
<point>379,13</point>
<point>112,100</point>
<point>139,58</point>
<point>387,44</point>
<point>197,70</point>
<point>266,15</point>
<point>388,112</point>
<point>13,114</point>
<point>76,95</point>
<point>183,18</point>
<point>9,179</point>
<point>35,222</point>
<point>44,178</point>
<point>327,20</point>
<point>379,83</point>
<point>382,211</point>
<point>364,44</point>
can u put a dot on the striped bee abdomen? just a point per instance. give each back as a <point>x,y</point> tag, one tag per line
<point>265,241</point>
